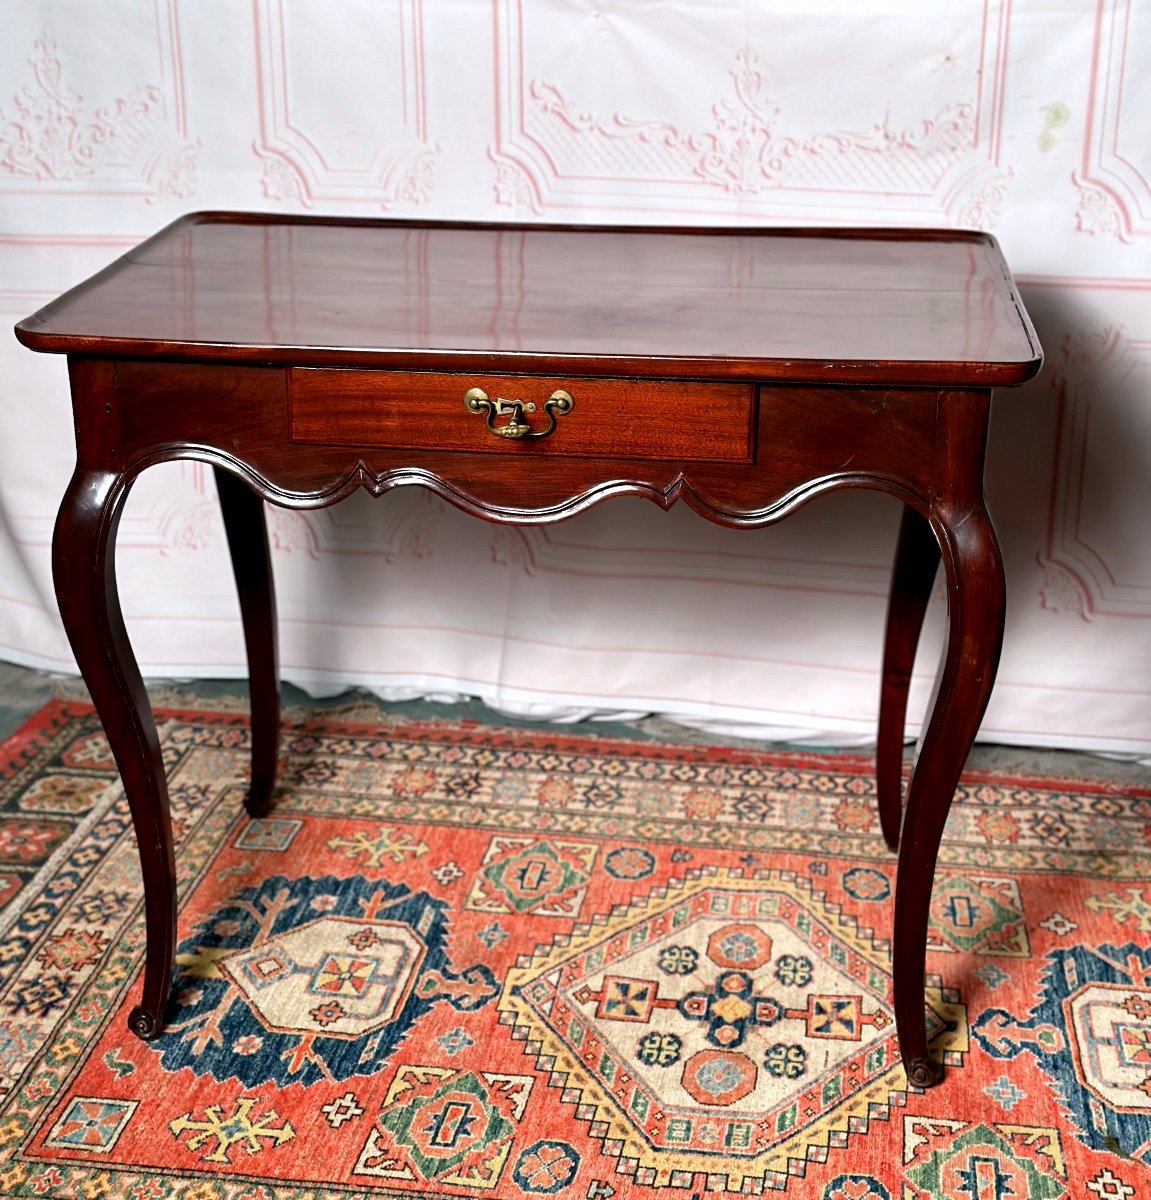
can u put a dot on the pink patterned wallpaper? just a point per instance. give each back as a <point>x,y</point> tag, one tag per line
<point>1033,121</point>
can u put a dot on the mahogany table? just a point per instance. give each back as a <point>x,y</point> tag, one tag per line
<point>525,373</point>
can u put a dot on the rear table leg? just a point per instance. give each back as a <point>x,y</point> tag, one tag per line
<point>243,513</point>
<point>916,563</point>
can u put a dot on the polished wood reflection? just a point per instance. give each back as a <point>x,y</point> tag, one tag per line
<point>906,306</point>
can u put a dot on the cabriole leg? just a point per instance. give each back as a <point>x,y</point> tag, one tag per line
<point>83,564</point>
<point>975,605</point>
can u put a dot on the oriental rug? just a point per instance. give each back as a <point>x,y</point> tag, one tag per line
<point>460,960</point>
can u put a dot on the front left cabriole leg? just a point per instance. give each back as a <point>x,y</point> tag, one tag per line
<point>83,562</point>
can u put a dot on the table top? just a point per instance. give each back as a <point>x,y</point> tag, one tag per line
<point>931,307</point>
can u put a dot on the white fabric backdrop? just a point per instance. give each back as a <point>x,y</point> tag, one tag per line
<point>1025,117</point>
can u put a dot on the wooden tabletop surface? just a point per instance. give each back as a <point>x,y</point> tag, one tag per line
<point>874,306</point>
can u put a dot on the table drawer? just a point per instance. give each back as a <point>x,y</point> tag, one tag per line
<point>609,418</point>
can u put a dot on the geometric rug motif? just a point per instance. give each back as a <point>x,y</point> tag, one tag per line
<point>978,914</point>
<point>1089,1032</point>
<point>542,876</point>
<point>724,1020</point>
<point>954,1160</point>
<point>296,980</point>
<point>458,960</point>
<point>444,1126</point>
<point>90,1123</point>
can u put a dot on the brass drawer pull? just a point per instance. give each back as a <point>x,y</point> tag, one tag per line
<point>477,401</point>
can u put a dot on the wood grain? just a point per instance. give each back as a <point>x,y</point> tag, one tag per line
<point>611,418</point>
<point>868,306</point>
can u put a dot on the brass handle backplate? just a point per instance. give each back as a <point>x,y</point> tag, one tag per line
<point>516,427</point>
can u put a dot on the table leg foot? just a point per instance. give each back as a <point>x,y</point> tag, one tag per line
<point>144,1024</point>
<point>257,805</point>
<point>83,564</point>
<point>243,513</point>
<point>912,577</point>
<point>923,1072</point>
<point>975,602</point>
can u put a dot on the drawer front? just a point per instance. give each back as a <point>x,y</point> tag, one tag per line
<point>608,418</point>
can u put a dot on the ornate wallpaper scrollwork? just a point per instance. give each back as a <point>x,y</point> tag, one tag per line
<point>757,138</point>
<point>746,150</point>
<point>128,137</point>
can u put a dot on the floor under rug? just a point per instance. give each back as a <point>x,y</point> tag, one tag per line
<point>472,961</point>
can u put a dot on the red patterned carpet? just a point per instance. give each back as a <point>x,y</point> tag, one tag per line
<point>461,960</point>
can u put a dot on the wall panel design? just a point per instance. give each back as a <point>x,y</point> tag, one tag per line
<point>1115,178</point>
<point>343,104</point>
<point>1032,120</point>
<point>1099,489</point>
